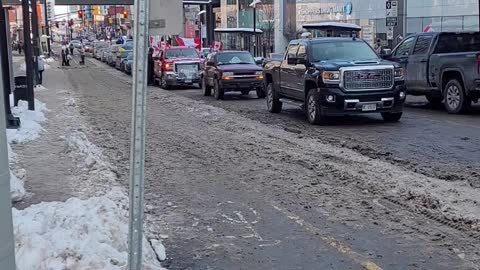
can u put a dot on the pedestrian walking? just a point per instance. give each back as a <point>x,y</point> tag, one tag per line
<point>82,55</point>
<point>41,68</point>
<point>71,48</point>
<point>20,45</point>
<point>64,54</point>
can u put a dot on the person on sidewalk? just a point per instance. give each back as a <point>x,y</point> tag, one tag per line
<point>71,48</point>
<point>41,68</point>
<point>64,54</point>
<point>20,45</point>
<point>82,55</point>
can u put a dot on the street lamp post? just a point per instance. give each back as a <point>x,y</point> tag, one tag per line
<point>200,22</point>
<point>254,6</point>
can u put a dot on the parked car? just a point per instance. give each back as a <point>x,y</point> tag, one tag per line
<point>129,64</point>
<point>77,44</point>
<point>334,77</point>
<point>230,71</point>
<point>105,52</point>
<point>121,58</point>
<point>442,66</point>
<point>97,46</point>
<point>112,55</point>
<point>175,66</point>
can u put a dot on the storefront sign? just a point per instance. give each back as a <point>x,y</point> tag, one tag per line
<point>345,10</point>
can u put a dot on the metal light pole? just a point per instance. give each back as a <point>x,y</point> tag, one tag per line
<point>254,6</point>
<point>404,20</point>
<point>47,27</point>
<point>137,152</point>
<point>36,41</point>
<point>7,251</point>
<point>28,54</point>
<point>201,28</point>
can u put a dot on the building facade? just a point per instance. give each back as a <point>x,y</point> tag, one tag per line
<point>371,15</point>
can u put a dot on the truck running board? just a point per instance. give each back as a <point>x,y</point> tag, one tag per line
<point>293,102</point>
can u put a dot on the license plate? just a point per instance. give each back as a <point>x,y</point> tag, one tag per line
<point>188,81</point>
<point>369,107</point>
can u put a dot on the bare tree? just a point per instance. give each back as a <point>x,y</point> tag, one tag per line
<point>266,17</point>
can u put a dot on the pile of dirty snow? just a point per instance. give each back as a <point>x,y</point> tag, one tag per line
<point>76,234</point>
<point>29,130</point>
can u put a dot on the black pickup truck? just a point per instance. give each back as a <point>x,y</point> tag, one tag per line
<point>442,66</point>
<point>334,77</point>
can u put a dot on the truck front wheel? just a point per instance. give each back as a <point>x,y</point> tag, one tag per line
<point>455,99</point>
<point>273,102</point>
<point>313,110</point>
<point>217,90</point>
<point>391,117</point>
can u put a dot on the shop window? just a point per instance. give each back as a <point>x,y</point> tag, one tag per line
<point>450,24</point>
<point>470,23</point>
<point>422,45</point>
<point>414,25</point>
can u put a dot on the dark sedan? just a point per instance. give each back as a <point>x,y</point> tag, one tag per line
<point>129,64</point>
<point>231,71</point>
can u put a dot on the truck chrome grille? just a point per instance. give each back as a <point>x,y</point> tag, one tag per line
<point>368,79</point>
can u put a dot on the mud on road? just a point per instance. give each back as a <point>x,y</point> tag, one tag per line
<point>231,187</point>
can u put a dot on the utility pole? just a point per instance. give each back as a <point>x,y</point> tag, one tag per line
<point>36,39</point>
<point>28,54</point>
<point>7,251</point>
<point>404,19</point>
<point>137,152</point>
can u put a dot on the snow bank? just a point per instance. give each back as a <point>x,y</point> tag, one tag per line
<point>17,190</point>
<point>30,122</point>
<point>49,60</point>
<point>76,234</point>
<point>29,130</point>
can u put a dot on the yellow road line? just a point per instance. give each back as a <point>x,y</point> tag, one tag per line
<point>337,245</point>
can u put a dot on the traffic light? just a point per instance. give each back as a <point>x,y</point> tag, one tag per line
<point>80,14</point>
<point>125,14</point>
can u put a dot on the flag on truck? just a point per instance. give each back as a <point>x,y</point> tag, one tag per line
<point>217,45</point>
<point>189,42</point>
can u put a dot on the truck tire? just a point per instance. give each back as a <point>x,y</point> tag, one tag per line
<point>391,117</point>
<point>245,92</point>
<point>455,99</point>
<point>207,89</point>
<point>274,104</point>
<point>434,100</point>
<point>217,90</point>
<point>261,93</point>
<point>312,108</point>
<point>163,83</point>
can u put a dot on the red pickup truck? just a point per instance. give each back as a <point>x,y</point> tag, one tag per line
<point>177,66</point>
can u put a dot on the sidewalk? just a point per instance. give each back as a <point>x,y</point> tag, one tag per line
<point>74,215</point>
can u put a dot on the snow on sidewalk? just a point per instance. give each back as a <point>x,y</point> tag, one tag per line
<point>89,233</point>
<point>76,234</point>
<point>29,130</point>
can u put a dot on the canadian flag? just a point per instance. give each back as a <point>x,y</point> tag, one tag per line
<point>217,45</point>
<point>428,29</point>
<point>189,42</point>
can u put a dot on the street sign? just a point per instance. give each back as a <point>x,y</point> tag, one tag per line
<point>392,21</point>
<point>392,9</point>
<point>390,33</point>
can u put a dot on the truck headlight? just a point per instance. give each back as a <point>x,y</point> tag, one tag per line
<point>399,74</point>
<point>226,75</point>
<point>258,73</point>
<point>331,77</point>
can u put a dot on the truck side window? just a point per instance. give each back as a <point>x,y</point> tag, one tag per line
<point>422,45</point>
<point>404,48</point>
<point>292,51</point>
<point>302,52</point>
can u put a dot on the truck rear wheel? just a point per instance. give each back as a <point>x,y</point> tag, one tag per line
<point>392,117</point>
<point>207,89</point>
<point>273,102</point>
<point>455,99</point>
<point>217,90</point>
<point>313,110</point>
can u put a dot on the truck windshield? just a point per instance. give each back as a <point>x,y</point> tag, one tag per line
<point>235,58</point>
<point>179,53</point>
<point>342,50</point>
